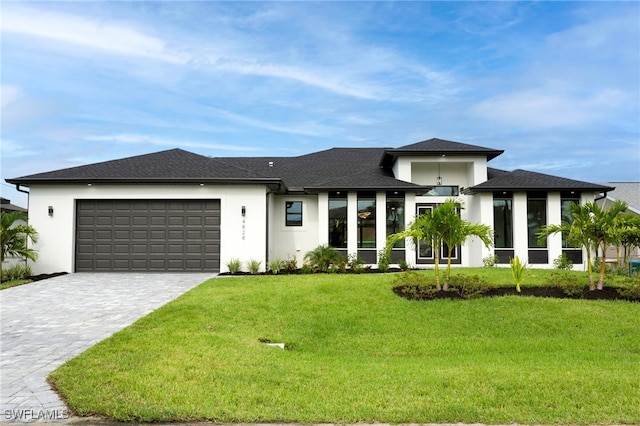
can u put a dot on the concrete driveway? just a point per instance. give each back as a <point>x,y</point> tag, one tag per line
<point>45,323</point>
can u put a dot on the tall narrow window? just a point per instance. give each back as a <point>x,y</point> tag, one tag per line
<point>338,220</point>
<point>566,200</point>
<point>395,216</point>
<point>503,221</point>
<point>536,218</point>
<point>367,220</point>
<point>293,213</point>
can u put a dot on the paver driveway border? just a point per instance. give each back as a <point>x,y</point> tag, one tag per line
<point>45,323</point>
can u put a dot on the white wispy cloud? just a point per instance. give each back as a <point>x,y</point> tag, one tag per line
<point>114,37</point>
<point>135,138</point>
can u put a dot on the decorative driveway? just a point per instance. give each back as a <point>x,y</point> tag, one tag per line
<point>45,323</point>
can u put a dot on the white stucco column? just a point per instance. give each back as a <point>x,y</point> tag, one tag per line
<point>323,218</point>
<point>352,222</point>
<point>554,217</point>
<point>381,221</point>
<point>409,216</point>
<point>520,229</point>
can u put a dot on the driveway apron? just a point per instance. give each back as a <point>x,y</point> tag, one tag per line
<point>45,323</point>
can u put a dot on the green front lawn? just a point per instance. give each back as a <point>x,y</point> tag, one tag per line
<point>358,353</point>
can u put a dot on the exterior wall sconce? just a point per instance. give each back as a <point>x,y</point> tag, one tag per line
<point>244,211</point>
<point>50,210</point>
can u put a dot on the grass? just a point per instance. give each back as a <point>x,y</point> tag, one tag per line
<point>12,283</point>
<point>358,353</point>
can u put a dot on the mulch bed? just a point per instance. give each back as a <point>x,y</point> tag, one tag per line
<point>413,292</point>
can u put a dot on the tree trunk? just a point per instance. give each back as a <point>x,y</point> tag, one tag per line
<point>590,269</point>
<point>603,267</point>
<point>437,269</point>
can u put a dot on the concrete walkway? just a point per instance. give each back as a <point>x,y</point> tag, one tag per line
<point>45,323</point>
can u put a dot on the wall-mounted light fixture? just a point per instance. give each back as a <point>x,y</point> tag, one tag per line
<point>439,180</point>
<point>244,211</point>
<point>50,210</point>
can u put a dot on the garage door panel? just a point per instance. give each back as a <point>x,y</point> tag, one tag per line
<point>148,235</point>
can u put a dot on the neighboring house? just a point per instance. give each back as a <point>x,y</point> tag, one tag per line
<point>6,206</point>
<point>178,211</point>
<point>629,192</point>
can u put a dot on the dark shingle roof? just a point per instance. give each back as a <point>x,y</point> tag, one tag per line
<point>160,167</point>
<point>523,180</point>
<point>438,147</point>
<point>332,169</point>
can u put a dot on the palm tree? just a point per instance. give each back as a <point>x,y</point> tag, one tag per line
<point>591,226</point>
<point>456,230</point>
<point>14,236</point>
<point>579,232</point>
<point>441,225</point>
<point>606,230</point>
<point>424,228</point>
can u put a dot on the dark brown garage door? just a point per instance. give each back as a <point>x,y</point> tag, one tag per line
<point>148,235</point>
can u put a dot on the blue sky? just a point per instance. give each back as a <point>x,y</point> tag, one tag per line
<point>554,84</point>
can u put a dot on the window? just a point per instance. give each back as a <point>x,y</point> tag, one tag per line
<point>338,220</point>
<point>366,220</point>
<point>425,248</point>
<point>395,216</point>
<point>503,221</point>
<point>566,200</point>
<point>294,213</point>
<point>443,191</point>
<point>536,218</point>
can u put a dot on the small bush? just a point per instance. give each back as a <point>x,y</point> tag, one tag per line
<point>630,288</point>
<point>403,265</point>
<point>517,270</point>
<point>291,264</point>
<point>234,266</point>
<point>468,286</point>
<point>306,269</point>
<point>16,272</point>
<point>490,261</point>
<point>563,263</point>
<point>276,265</point>
<point>569,283</point>
<point>322,257</point>
<point>356,263</point>
<point>384,259</point>
<point>253,266</point>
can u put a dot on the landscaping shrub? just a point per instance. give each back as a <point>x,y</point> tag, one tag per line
<point>16,272</point>
<point>563,263</point>
<point>322,257</point>
<point>234,266</point>
<point>630,288</point>
<point>490,261</point>
<point>356,263</point>
<point>568,282</point>
<point>253,266</point>
<point>384,259</point>
<point>276,265</point>
<point>468,286</point>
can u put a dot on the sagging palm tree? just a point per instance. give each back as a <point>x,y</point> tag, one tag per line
<point>14,237</point>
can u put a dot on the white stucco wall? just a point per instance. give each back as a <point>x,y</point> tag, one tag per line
<point>293,241</point>
<point>243,238</point>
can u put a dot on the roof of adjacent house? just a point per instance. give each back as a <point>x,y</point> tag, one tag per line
<point>523,180</point>
<point>6,206</point>
<point>333,169</point>
<point>629,192</point>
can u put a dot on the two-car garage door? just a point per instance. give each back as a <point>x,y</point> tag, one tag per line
<point>147,235</point>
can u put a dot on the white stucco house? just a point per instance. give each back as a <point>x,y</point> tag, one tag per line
<point>179,211</point>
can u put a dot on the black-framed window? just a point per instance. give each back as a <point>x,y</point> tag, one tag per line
<point>536,218</point>
<point>293,213</point>
<point>566,199</point>
<point>395,216</point>
<point>366,220</point>
<point>338,219</point>
<point>503,220</point>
